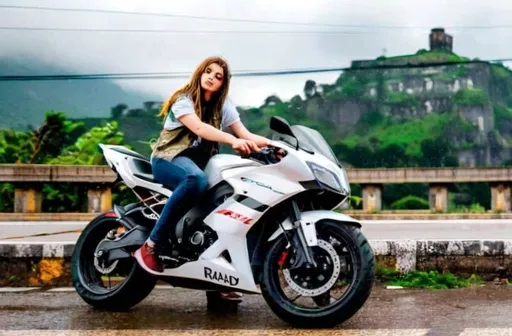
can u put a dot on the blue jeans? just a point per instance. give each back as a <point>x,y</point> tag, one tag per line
<point>187,181</point>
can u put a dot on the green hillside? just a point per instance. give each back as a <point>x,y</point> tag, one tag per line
<point>24,103</point>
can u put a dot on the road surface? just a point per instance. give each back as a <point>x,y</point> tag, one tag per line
<point>472,311</point>
<point>374,229</point>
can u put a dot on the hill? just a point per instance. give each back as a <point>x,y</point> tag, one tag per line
<point>410,110</point>
<point>24,103</point>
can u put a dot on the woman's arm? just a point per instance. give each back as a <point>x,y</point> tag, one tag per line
<point>204,130</point>
<point>242,132</point>
<point>208,132</point>
<point>183,110</point>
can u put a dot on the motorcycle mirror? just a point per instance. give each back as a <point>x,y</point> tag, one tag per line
<point>280,125</point>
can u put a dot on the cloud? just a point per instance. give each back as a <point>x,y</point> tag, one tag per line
<point>93,52</point>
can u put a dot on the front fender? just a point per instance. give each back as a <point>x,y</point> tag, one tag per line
<point>312,217</point>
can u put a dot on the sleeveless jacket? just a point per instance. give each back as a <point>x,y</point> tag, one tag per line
<point>170,143</point>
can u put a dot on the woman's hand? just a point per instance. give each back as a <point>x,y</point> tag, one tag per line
<point>265,142</point>
<point>245,146</point>
<point>243,133</point>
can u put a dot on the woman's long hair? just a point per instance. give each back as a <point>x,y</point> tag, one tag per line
<point>194,90</point>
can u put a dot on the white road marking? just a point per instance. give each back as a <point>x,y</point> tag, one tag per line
<point>58,289</point>
<point>226,332</point>
<point>42,223</point>
<point>486,332</point>
<point>17,289</point>
<point>62,289</point>
<point>28,242</point>
<point>252,332</point>
<point>394,287</point>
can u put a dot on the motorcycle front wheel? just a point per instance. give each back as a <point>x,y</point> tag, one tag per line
<point>329,294</point>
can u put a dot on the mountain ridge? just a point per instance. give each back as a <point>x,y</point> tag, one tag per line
<point>24,103</point>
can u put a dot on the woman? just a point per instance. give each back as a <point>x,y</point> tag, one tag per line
<point>194,118</point>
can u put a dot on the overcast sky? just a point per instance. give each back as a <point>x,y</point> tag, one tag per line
<point>94,52</point>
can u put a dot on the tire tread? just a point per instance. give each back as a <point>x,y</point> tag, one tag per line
<point>360,291</point>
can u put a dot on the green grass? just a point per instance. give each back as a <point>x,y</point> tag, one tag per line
<point>425,56</point>
<point>427,280</point>
<point>473,208</point>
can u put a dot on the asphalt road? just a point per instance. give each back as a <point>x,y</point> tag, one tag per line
<point>474,311</point>
<point>375,230</point>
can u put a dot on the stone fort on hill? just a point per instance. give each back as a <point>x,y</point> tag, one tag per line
<point>423,83</point>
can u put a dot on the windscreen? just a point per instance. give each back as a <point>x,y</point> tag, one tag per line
<point>312,139</point>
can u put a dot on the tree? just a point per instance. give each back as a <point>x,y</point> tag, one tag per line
<point>56,133</point>
<point>150,107</point>
<point>15,146</point>
<point>296,100</point>
<point>327,88</point>
<point>38,145</point>
<point>360,156</point>
<point>272,100</point>
<point>85,151</point>
<point>296,107</point>
<point>391,156</point>
<point>436,153</point>
<point>310,88</point>
<point>117,111</point>
<point>138,112</point>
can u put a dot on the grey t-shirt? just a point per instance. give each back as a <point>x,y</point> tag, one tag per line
<point>184,105</point>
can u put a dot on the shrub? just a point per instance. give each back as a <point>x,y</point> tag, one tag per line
<point>466,97</point>
<point>410,203</point>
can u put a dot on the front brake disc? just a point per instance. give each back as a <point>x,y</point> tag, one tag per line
<point>329,284</point>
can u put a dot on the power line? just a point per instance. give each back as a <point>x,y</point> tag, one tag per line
<point>159,75</point>
<point>251,73</point>
<point>181,31</point>
<point>206,18</point>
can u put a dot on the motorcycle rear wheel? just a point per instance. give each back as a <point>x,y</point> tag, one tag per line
<point>325,316</point>
<point>88,281</point>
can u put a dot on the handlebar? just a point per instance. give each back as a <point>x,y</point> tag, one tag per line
<point>267,155</point>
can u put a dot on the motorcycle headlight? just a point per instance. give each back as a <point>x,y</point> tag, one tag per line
<point>326,176</point>
<point>344,181</point>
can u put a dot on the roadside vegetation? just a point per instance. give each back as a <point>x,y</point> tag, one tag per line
<point>428,280</point>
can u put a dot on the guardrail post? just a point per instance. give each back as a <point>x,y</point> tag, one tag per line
<point>500,197</point>
<point>438,197</point>
<point>99,198</point>
<point>27,198</point>
<point>372,197</point>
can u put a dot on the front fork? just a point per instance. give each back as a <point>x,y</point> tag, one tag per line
<point>303,237</point>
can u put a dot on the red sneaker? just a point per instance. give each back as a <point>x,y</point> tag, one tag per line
<point>231,296</point>
<point>149,258</point>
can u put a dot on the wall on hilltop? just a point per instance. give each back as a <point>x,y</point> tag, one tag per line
<point>468,90</point>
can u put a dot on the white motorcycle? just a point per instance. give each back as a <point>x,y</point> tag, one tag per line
<point>266,226</point>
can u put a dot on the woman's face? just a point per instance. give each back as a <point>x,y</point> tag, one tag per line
<point>212,78</point>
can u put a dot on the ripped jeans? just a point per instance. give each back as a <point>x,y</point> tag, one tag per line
<point>187,181</point>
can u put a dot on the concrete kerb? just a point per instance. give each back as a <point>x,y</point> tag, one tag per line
<point>38,263</point>
<point>457,256</point>
<point>9,249</point>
